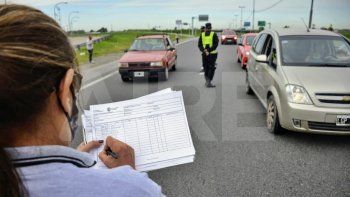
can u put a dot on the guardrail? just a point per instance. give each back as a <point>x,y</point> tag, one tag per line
<point>98,40</point>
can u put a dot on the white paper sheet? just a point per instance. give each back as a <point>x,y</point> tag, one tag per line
<point>154,125</point>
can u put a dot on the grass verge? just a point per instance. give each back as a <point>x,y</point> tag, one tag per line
<point>347,34</point>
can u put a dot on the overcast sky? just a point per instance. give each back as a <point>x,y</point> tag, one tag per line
<point>131,14</point>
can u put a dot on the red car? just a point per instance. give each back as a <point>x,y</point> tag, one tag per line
<point>243,49</point>
<point>150,56</point>
<point>228,37</point>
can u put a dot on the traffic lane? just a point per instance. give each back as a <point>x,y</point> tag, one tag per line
<point>234,152</point>
<point>92,73</point>
<point>246,160</point>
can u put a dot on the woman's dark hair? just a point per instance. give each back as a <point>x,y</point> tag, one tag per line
<point>35,54</point>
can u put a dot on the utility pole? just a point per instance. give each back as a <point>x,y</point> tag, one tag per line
<point>72,21</point>
<point>58,13</point>
<point>311,13</point>
<point>236,21</point>
<point>253,15</point>
<point>69,19</point>
<point>193,25</point>
<point>241,7</point>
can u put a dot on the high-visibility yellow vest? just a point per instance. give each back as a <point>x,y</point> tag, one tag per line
<point>208,40</point>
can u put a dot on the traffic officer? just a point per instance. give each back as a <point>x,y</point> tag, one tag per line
<point>207,44</point>
<point>202,67</point>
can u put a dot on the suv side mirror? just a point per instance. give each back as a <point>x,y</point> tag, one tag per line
<point>171,49</point>
<point>261,58</point>
<point>273,59</point>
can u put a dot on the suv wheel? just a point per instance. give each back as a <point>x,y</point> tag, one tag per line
<point>272,119</point>
<point>248,89</point>
<point>238,60</point>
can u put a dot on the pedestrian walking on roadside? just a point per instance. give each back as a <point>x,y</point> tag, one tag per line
<point>90,48</point>
<point>207,44</point>
<point>177,38</point>
<point>202,67</point>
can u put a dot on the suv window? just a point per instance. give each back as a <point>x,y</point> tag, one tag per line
<point>270,51</point>
<point>260,44</point>
<point>267,46</point>
<point>305,50</point>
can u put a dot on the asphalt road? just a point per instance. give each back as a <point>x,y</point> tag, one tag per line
<point>235,154</point>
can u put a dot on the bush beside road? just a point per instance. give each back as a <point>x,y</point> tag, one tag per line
<point>117,43</point>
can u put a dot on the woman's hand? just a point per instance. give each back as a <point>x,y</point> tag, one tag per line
<point>125,154</point>
<point>87,147</point>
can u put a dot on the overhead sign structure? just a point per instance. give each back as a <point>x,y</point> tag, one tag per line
<point>178,22</point>
<point>261,23</point>
<point>246,24</point>
<point>203,18</point>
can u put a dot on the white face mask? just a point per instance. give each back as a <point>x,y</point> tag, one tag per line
<point>73,119</point>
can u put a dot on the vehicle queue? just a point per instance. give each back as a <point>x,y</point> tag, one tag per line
<point>299,76</point>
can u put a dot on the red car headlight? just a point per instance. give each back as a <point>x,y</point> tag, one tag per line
<point>123,64</point>
<point>156,63</point>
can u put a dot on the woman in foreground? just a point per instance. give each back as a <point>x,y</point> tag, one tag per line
<point>39,83</point>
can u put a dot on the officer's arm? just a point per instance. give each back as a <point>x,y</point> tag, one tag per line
<point>215,42</point>
<point>200,45</point>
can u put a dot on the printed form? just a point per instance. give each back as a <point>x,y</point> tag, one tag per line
<point>155,126</point>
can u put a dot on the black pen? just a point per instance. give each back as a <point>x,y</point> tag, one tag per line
<point>112,154</point>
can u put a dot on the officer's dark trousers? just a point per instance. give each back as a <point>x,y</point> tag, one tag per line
<point>209,65</point>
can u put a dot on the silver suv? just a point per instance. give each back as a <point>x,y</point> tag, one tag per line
<point>303,80</point>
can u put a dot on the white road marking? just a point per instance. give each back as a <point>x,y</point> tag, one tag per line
<point>99,80</point>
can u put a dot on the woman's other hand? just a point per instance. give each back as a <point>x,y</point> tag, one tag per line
<point>124,152</point>
<point>87,147</point>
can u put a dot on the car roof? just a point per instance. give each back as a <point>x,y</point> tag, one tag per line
<point>228,30</point>
<point>302,32</point>
<point>250,34</point>
<point>152,36</point>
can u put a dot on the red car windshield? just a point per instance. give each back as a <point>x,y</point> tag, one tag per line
<point>250,40</point>
<point>149,44</point>
<point>228,32</point>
